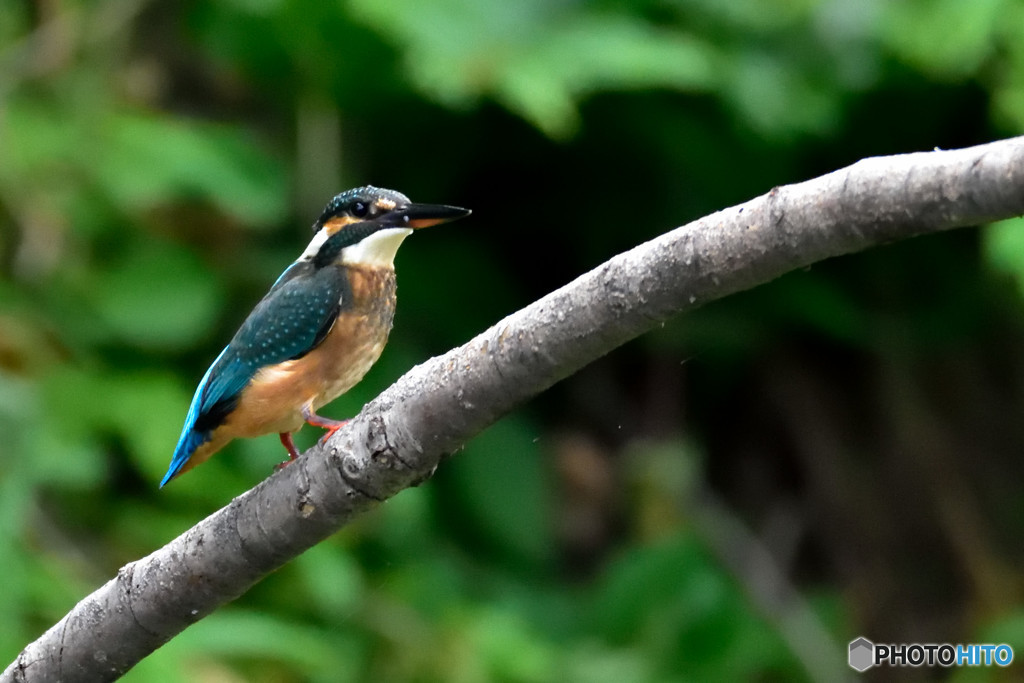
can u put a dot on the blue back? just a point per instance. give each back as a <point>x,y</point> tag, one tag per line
<point>289,322</point>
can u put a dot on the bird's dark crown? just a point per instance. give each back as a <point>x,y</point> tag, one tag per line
<point>360,204</point>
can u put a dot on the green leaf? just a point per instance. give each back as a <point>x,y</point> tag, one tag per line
<point>949,37</point>
<point>142,409</point>
<point>776,97</point>
<point>535,57</point>
<point>258,639</point>
<point>159,297</point>
<point>146,409</point>
<point>334,579</point>
<point>145,161</point>
<point>510,649</point>
<point>1004,248</point>
<point>675,602</point>
<point>504,484</point>
<point>671,574</point>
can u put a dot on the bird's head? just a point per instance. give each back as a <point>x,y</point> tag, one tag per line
<point>366,225</point>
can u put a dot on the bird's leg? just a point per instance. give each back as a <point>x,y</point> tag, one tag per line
<point>289,445</point>
<point>323,422</point>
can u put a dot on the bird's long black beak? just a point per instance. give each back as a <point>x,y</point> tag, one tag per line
<point>426,215</point>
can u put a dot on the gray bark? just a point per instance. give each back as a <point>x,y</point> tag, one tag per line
<point>399,438</point>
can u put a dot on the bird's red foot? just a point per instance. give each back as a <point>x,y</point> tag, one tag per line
<point>289,445</point>
<point>330,432</point>
<point>324,423</point>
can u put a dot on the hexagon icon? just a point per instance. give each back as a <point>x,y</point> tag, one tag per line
<point>862,654</point>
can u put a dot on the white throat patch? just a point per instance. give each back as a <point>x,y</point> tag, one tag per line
<point>378,249</point>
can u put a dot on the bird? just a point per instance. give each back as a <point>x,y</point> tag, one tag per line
<point>314,335</point>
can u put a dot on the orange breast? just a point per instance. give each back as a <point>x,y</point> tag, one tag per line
<point>273,400</point>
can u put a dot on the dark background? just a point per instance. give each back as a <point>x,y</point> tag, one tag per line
<point>732,497</point>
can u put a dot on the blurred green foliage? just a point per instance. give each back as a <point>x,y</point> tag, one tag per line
<point>852,430</point>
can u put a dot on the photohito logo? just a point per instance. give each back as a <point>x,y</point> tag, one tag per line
<point>864,654</point>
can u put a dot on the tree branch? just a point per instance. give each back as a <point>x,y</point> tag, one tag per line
<point>399,438</point>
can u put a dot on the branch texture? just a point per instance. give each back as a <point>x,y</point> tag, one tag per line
<point>399,438</point>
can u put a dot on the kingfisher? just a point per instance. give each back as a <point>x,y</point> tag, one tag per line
<point>314,335</point>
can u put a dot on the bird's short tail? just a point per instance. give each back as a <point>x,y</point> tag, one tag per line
<point>193,448</point>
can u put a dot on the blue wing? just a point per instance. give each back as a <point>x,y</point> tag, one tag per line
<point>289,322</point>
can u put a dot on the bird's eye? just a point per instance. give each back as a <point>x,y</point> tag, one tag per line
<point>359,209</point>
